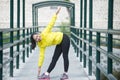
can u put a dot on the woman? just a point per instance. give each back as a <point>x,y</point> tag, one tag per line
<point>48,38</point>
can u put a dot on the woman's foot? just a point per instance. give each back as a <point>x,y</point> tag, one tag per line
<point>64,77</point>
<point>44,77</point>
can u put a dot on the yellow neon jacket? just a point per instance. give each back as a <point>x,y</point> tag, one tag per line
<point>48,38</point>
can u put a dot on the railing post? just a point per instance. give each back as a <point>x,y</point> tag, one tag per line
<point>11,34</point>
<point>30,45</point>
<point>72,16</point>
<point>98,56</point>
<point>85,20</point>
<point>81,10</point>
<point>33,15</point>
<point>1,55</point>
<point>28,42</point>
<point>90,36</point>
<point>110,36</point>
<point>37,29</point>
<point>33,29</point>
<point>77,41</point>
<point>18,32</point>
<point>23,30</point>
<point>23,13</point>
<point>36,17</point>
<point>74,39</point>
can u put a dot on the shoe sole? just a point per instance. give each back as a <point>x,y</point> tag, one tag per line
<point>64,79</point>
<point>44,79</point>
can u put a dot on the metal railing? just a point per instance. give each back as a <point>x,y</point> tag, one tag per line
<point>80,43</point>
<point>88,42</point>
<point>14,41</point>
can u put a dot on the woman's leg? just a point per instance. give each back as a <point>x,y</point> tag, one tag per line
<point>55,58</point>
<point>65,50</point>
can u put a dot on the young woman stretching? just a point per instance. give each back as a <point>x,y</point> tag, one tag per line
<point>48,38</point>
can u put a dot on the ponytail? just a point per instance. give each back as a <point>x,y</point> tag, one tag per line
<point>33,42</point>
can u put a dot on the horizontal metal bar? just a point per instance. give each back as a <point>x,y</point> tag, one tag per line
<point>7,46</point>
<point>85,53</point>
<point>53,3</point>
<point>73,41</point>
<point>93,61</point>
<point>92,45</point>
<point>112,56</point>
<point>15,29</point>
<point>12,44</point>
<point>104,37</point>
<point>74,27</point>
<point>16,53</point>
<point>81,49</point>
<point>116,58</point>
<point>101,50</point>
<point>5,53</point>
<point>9,30</point>
<point>112,31</point>
<point>27,36</point>
<point>75,35</point>
<point>111,77</point>
<point>8,61</point>
<point>102,42</point>
<point>115,32</point>
<point>101,69</point>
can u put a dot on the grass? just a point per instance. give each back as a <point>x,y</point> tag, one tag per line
<point>65,28</point>
<point>115,73</point>
<point>6,37</point>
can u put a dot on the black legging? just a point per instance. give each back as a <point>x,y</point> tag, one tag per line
<point>63,47</point>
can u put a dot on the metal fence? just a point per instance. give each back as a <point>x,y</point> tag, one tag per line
<point>84,41</point>
<point>15,41</point>
<point>15,37</point>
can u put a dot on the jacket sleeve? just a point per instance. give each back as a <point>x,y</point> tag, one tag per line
<point>41,56</point>
<point>50,24</point>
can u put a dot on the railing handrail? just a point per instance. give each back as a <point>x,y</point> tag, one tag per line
<point>17,42</point>
<point>112,31</point>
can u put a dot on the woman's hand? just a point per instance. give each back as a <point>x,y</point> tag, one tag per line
<point>39,69</point>
<point>58,10</point>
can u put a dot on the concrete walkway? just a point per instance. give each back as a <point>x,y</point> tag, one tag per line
<point>28,71</point>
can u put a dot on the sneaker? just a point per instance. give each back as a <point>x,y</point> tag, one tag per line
<point>64,77</point>
<point>44,77</point>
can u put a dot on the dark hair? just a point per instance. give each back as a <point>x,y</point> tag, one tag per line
<point>33,42</point>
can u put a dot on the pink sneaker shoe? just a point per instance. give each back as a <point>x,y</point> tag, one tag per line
<point>44,77</point>
<point>64,77</point>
